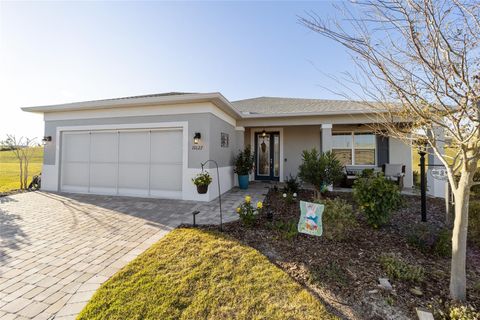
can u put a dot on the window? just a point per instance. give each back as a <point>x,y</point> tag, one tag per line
<point>354,148</point>
<point>364,148</point>
<point>342,147</point>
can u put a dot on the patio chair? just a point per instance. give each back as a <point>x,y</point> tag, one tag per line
<point>351,173</point>
<point>394,172</point>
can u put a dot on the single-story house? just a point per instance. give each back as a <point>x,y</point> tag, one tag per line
<point>152,145</point>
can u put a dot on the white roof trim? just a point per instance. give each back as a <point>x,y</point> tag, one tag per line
<point>217,98</point>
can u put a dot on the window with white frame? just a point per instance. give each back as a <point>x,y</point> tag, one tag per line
<point>354,148</point>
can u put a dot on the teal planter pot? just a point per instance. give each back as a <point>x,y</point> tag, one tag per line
<point>243,182</point>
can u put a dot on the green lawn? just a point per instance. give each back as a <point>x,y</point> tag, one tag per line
<point>10,170</point>
<point>194,274</point>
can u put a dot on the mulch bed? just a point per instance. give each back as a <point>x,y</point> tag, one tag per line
<point>344,273</point>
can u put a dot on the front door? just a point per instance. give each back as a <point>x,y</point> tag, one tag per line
<point>267,156</point>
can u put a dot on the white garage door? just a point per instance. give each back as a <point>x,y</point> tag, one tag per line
<point>138,163</point>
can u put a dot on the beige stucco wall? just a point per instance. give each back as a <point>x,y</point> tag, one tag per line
<point>247,141</point>
<point>401,153</point>
<point>297,139</point>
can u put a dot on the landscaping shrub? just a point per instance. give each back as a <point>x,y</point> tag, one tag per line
<point>247,212</point>
<point>398,269</point>
<point>292,185</point>
<point>376,197</point>
<point>288,229</point>
<point>243,162</point>
<point>431,240</point>
<point>474,222</point>
<point>320,169</point>
<point>443,246</point>
<point>338,218</point>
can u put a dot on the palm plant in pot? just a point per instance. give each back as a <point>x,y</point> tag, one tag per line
<point>202,181</point>
<point>243,166</point>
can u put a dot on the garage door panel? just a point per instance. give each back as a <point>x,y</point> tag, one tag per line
<point>103,175</point>
<point>134,147</point>
<point>133,176</point>
<point>166,177</point>
<point>104,147</point>
<point>166,146</point>
<point>75,175</point>
<point>76,147</point>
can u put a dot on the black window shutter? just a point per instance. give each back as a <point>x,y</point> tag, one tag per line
<point>382,150</point>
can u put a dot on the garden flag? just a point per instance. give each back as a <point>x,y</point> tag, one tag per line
<point>311,218</point>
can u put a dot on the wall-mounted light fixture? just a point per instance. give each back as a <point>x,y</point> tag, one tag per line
<point>46,139</point>
<point>197,137</point>
<point>264,133</point>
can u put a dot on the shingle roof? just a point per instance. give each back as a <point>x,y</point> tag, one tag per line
<point>165,94</point>
<point>275,105</point>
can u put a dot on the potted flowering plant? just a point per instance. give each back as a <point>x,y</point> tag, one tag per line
<point>248,212</point>
<point>202,180</point>
<point>243,166</point>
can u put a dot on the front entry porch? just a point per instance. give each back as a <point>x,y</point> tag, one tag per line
<point>278,149</point>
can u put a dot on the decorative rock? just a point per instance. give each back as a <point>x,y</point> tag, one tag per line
<point>424,314</point>
<point>373,291</point>
<point>385,284</point>
<point>416,291</point>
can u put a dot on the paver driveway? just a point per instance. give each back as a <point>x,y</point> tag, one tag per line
<point>57,249</point>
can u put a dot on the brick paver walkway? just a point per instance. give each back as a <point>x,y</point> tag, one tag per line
<point>57,249</point>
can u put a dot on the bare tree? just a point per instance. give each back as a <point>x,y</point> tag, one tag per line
<point>23,150</point>
<point>419,68</point>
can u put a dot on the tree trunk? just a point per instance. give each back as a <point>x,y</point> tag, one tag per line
<point>458,280</point>
<point>25,174</point>
<point>21,173</point>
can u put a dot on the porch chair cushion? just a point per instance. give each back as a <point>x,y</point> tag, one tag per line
<point>394,170</point>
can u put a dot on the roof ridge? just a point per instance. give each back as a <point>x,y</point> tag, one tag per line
<point>293,98</point>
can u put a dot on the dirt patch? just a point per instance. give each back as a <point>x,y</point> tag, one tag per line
<point>344,274</point>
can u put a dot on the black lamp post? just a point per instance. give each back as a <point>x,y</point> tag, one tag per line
<point>423,183</point>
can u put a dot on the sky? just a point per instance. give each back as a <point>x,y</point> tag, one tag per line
<point>59,52</point>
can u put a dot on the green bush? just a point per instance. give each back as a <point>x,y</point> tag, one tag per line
<point>338,218</point>
<point>376,197</point>
<point>243,162</point>
<point>443,246</point>
<point>474,222</point>
<point>430,240</point>
<point>292,185</point>
<point>320,169</point>
<point>398,269</point>
<point>288,229</point>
